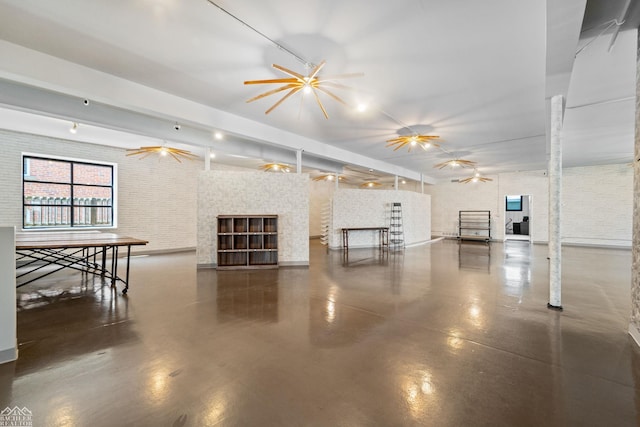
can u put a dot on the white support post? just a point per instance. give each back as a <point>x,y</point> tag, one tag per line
<point>395,184</point>
<point>337,179</point>
<point>555,204</point>
<point>299,161</point>
<point>422,183</point>
<point>207,159</point>
<point>634,325</point>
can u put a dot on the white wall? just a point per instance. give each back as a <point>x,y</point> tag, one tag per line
<point>8,343</point>
<point>156,196</point>
<point>450,197</point>
<point>320,193</point>
<point>255,193</point>
<point>597,204</point>
<point>372,208</point>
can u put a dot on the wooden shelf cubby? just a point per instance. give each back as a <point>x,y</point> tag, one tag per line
<point>247,241</point>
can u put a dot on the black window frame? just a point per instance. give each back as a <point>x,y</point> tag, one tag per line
<point>506,205</point>
<point>26,168</point>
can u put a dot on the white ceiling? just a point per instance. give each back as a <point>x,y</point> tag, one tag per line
<point>474,73</point>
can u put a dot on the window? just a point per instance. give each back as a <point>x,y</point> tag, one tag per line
<point>61,193</point>
<point>514,203</point>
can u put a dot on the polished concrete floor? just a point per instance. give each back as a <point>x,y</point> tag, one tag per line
<point>439,335</point>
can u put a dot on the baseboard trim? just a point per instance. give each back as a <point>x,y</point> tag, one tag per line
<point>159,251</point>
<point>635,333</point>
<point>283,264</point>
<point>207,266</point>
<point>293,264</point>
<point>8,355</point>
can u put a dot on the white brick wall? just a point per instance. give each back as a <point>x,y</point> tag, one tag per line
<point>596,203</point>
<point>156,197</point>
<point>372,208</point>
<point>255,193</point>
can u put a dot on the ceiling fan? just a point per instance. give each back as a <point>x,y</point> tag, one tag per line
<point>310,84</point>
<point>422,141</point>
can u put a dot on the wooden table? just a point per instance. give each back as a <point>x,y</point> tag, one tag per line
<point>75,250</point>
<point>383,233</point>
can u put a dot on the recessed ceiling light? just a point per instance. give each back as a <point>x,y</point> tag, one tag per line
<point>212,155</point>
<point>362,108</point>
<point>217,135</point>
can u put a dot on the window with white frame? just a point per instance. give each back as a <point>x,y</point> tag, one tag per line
<point>64,193</point>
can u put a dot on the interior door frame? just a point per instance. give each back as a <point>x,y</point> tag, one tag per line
<point>504,217</point>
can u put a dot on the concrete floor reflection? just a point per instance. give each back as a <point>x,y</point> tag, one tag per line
<point>441,335</point>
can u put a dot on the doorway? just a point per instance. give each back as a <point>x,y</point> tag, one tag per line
<point>517,217</point>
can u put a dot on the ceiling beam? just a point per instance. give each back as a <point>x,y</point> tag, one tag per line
<point>118,103</point>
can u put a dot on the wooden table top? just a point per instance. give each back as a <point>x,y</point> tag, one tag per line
<point>72,239</point>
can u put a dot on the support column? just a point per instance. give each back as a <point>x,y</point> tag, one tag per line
<point>555,202</point>
<point>337,179</point>
<point>634,326</point>
<point>207,159</point>
<point>395,184</point>
<point>422,183</point>
<point>299,161</point>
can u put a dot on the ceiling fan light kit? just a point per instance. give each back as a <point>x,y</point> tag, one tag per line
<point>296,82</point>
<point>162,150</point>
<point>454,163</point>
<point>276,167</point>
<point>411,141</point>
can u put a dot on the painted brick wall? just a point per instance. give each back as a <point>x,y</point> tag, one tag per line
<point>255,193</point>
<point>448,198</point>
<point>596,202</point>
<point>156,197</point>
<point>597,205</point>
<point>320,194</point>
<point>372,208</point>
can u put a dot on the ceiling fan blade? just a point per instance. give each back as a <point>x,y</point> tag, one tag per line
<point>316,70</point>
<point>331,95</point>
<point>273,91</point>
<point>268,81</point>
<point>288,71</point>
<point>174,156</point>
<point>315,94</point>
<point>291,92</point>
<point>400,145</point>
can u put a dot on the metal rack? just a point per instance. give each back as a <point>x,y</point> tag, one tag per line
<point>396,232</point>
<point>474,225</point>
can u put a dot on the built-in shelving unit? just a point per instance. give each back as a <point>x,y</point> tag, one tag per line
<point>474,225</point>
<point>247,241</point>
